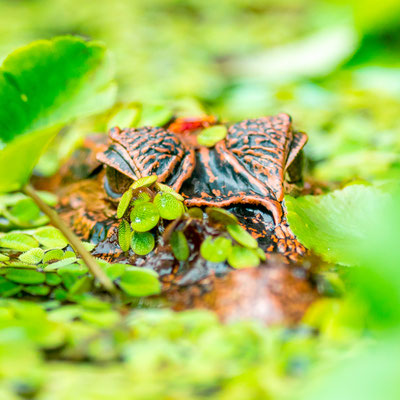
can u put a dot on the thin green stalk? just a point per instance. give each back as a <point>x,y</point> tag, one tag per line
<point>89,260</point>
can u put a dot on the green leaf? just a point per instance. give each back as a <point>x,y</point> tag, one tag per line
<point>168,206</point>
<point>144,217</point>
<point>50,237</point>
<point>222,216</point>
<point>52,279</point>
<point>211,136</point>
<point>331,224</point>
<point>37,290</point>
<point>25,210</point>
<point>142,243</point>
<point>25,276</point>
<point>8,288</point>
<point>18,241</point>
<point>242,236</point>
<point>167,189</point>
<point>43,86</point>
<point>140,282</point>
<point>62,263</point>
<point>180,246</point>
<point>216,250</point>
<point>124,235</point>
<point>146,181</point>
<point>53,255</point>
<point>32,256</point>
<point>124,203</point>
<point>242,257</point>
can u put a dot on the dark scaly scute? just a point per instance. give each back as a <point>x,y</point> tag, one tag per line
<point>149,150</point>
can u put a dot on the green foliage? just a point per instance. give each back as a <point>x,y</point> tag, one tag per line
<point>216,250</point>
<point>242,236</point>
<point>139,282</point>
<point>211,136</point>
<point>124,235</point>
<point>144,217</point>
<point>168,206</point>
<point>50,237</point>
<point>42,87</point>
<point>142,243</point>
<point>331,224</point>
<point>18,241</point>
<point>241,257</point>
<point>180,246</point>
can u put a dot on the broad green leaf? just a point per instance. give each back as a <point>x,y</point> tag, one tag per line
<point>142,243</point>
<point>50,237</point>
<point>216,250</point>
<point>32,256</point>
<point>43,86</point>
<point>140,282</point>
<point>242,257</point>
<point>242,236</point>
<point>332,224</point>
<point>37,290</point>
<point>18,241</point>
<point>25,276</point>
<point>180,246</point>
<point>168,206</point>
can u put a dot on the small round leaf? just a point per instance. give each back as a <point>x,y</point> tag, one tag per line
<point>242,257</point>
<point>222,216</point>
<point>242,236</point>
<point>32,256</point>
<point>211,136</point>
<point>216,250</point>
<point>25,276</point>
<point>180,246</point>
<point>142,243</point>
<point>168,206</point>
<point>146,181</point>
<point>144,217</point>
<point>167,189</point>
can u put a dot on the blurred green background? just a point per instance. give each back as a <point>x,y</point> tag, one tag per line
<point>333,65</point>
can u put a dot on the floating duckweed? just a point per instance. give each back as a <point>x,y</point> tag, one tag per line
<point>211,136</point>
<point>146,181</point>
<point>242,236</point>
<point>52,279</point>
<point>167,189</point>
<point>144,217</point>
<point>195,212</point>
<point>142,243</point>
<point>32,256</point>
<point>50,237</point>
<point>18,241</point>
<point>53,255</point>
<point>141,197</point>
<point>168,206</point>
<point>216,250</point>
<point>180,246</point>
<point>25,276</point>
<point>3,257</point>
<point>37,290</point>
<point>124,235</point>
<point>124,203</point>
<point>241,257</point>
<point>222,216</point>
<point>59,264</point>
<point>140,282</point>
<point>8,288</point>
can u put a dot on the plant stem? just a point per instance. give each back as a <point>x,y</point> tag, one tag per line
<point>89,260</point>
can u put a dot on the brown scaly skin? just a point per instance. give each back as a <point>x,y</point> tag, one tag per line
<point>244,173</point>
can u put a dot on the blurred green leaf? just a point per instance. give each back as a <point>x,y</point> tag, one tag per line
<point>43,86</point>
<point>333,224</point>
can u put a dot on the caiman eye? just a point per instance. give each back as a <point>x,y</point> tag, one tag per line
<point>115,183</point>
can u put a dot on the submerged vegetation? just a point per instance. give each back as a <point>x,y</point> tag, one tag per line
<point>64,333</point>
